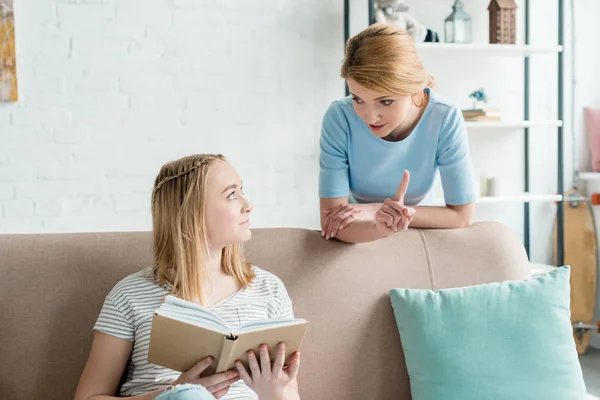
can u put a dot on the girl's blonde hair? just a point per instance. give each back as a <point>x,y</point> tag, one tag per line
<point>383,58</point>
<point>181,244</point>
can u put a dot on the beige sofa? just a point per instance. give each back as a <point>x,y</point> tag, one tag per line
<point>53,286</point>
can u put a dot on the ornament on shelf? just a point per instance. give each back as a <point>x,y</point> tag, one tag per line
<point>478,96</point>
<point>488,186</point>
<point>478,112</point>
<point>395,12</point>
<point>457,26</point>
<point>503,21</point>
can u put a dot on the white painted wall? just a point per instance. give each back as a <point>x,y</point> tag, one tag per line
<point>112,89</point>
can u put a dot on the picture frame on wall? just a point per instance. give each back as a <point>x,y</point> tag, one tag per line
<point>8,65</point>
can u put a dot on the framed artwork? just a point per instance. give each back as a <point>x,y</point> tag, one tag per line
<point>8,65</point>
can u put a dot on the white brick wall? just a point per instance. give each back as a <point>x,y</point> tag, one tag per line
<point>112,89</point>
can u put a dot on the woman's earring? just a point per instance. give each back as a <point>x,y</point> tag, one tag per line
<point>412,98</point>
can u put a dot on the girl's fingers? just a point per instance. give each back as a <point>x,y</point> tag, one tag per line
<point>279,360</point>
<point>221,393</point>
<point>218,378</point>
<point>221,385</point>
<point>200,366</point>
<point>243,373</point>
<point>254,368</point>
<point>294,366</point>
<point>265,361</point>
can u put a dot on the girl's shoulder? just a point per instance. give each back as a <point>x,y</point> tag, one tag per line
<point>265,280</point>
<point>264,275</point>
<point>134,283</point>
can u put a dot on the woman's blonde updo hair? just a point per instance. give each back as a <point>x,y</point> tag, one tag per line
<point>383,58</point>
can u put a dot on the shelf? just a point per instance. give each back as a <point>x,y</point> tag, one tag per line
<point>496,50</point>
<point>589,176</point>
<point>516,198</point>
<point>510,125</point>
<point>519,198</point>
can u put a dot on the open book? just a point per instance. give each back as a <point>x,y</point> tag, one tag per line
<point>184,333</point>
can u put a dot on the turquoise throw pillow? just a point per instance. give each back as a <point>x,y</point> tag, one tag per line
<point>497,341</point>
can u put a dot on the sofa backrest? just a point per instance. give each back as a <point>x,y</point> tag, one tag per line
<point>53,286</point>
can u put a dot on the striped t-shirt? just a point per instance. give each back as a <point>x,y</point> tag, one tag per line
<point>127,314</point>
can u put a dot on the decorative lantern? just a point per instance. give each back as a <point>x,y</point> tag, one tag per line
<point>503,21</point>
<point>458,25</point>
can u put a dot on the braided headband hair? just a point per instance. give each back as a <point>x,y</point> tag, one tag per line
<point>171,177</point>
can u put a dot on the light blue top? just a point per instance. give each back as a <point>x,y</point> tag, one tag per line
<point>356,163</point>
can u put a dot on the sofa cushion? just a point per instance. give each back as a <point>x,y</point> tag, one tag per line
<point>508,340</point>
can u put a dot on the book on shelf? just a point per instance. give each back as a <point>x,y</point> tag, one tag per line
<point>482,114</point>
<point>184,333</point>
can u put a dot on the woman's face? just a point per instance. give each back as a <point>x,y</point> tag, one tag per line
<point>381,112</point>
<point>227,208</point>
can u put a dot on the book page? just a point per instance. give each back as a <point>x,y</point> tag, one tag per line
<point>192,313</point>
<point>258,325</point>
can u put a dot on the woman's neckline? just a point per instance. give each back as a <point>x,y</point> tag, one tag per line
<point>415,124</point>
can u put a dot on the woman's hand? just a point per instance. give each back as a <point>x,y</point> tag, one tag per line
<point>337,219</point>
<point>271,383</point>
<point>393,215</point>
<point>217,384</point>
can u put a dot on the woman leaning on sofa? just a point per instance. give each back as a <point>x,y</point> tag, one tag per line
<point>392,123</point>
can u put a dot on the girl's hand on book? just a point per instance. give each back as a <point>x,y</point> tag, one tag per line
<point>270,383</point>
<point>217,384</point>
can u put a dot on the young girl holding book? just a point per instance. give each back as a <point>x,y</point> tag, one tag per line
<point>200,220</point>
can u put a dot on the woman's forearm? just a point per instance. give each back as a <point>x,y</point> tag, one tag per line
<point>361,230</point>
<point>447,217</point>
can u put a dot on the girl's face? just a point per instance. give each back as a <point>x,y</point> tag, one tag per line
<point>227,208</point>
<point>381,112</point>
